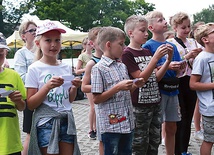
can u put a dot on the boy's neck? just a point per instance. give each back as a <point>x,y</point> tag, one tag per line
<point>158,37</point>
<point>135,46</point>
<point>98,53</point>
<point>209,49</point>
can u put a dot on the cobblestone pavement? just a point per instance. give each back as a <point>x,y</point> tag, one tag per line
<point>90,147</point>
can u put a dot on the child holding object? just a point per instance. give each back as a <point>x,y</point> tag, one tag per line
<point>51,88</point>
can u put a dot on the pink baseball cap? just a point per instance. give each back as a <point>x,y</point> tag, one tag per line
<point>46,26</point>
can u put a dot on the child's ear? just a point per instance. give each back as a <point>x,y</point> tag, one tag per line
<point>150,27</point>
<point>91,42</point>
<point>130,33</point>
<point>37,43</point>
<point>204,40</point>
<point>23,37</point>
<point>108,44</point>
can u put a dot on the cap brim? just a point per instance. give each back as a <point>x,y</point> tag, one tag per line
<point>4,46</point>
<point>54,29</point>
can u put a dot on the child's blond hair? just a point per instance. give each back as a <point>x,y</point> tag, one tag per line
<point>178,18</point>
<point>92,34</point>
<point>203,31</point>
<point>110,34</point>
<point>131,22</point>
<point>194,27</point>
<point>152,15</point>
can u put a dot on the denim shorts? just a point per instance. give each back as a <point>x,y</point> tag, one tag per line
<point>44,133</point>
<point>117,143</point>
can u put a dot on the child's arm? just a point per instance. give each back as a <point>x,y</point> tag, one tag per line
<point>122,85</point>
<point>193,53</point>
<point>195,83</point>
<point>145,74</point>
<point>79,70</point>
<point>161,72</point>
<point>137,83</point>
<point>73,90</point>
<point>16,97</point>
<point>86,81</point>
<point>35,97</point>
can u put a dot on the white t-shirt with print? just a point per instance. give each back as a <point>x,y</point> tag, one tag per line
<point>40,73</point>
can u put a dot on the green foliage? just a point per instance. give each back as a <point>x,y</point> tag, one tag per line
<point>206,15</point>
<point>12,13</point>
<point>84,14</point>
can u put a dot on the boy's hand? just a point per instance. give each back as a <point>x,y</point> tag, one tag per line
<point>55,81</point>
<point>170,52</point>
<point>139,82</point>
<point>15,96</point>
<point>125,85</point>
<point>161,51</point>
<point>183,64</point>
<point>193,53</point>
<point>175,65</point>
<point>76,82</point>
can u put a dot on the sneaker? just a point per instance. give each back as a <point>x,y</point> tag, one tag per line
<point>186,153</point>
<point>163,142</point>
<point>92,135</point>
<point>199,135</point>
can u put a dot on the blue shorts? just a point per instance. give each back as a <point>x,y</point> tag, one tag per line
<point>117,143</point>
<point>44,133</point>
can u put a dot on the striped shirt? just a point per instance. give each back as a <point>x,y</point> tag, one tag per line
<point>105,74</point>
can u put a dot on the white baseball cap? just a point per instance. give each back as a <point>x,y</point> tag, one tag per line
<point>3,43</point>
<point>46,26</point>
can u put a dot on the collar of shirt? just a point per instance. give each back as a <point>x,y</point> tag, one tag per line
<point>108,60</point>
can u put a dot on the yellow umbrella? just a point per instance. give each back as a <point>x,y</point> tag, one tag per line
<point>15,41</point>
<point>72,38</point>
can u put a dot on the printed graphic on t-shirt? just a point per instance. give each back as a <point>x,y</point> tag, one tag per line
<point>211,66</point>
<point>149,93</point>
<point>57,94</point>
<point>6,110</point>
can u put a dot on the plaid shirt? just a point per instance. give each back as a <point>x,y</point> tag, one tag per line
<point>105,74</point>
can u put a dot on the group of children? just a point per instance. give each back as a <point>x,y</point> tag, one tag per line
<point>135,89</point>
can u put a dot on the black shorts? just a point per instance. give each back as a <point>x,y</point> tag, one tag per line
<point>27,119</point>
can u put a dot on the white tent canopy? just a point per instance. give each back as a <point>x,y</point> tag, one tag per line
<point>70,38</point>
<point>15,41</point>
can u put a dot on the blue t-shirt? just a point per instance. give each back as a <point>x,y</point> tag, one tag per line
<point>152,45</point>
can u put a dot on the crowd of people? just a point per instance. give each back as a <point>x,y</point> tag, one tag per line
<point>141,95</point>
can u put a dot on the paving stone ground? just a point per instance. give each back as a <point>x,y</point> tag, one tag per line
<point>90,147</point>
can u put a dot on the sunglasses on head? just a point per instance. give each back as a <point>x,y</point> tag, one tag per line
<point>30,31</point>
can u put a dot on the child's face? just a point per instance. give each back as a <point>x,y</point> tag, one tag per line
<point>95,45</point>
<point>210,38</point>
<point>140,33</point>
<point>183,29</point>
<point>3,53</point>
<point>50,43</point>
<point>116,48</point>
<point>159,25</point>
<point>88,46</point>
<point>29,34</point>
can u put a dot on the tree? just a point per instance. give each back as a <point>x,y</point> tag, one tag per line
<point>206,15</point>
<point>11,14</point>
<point>84,14</point>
